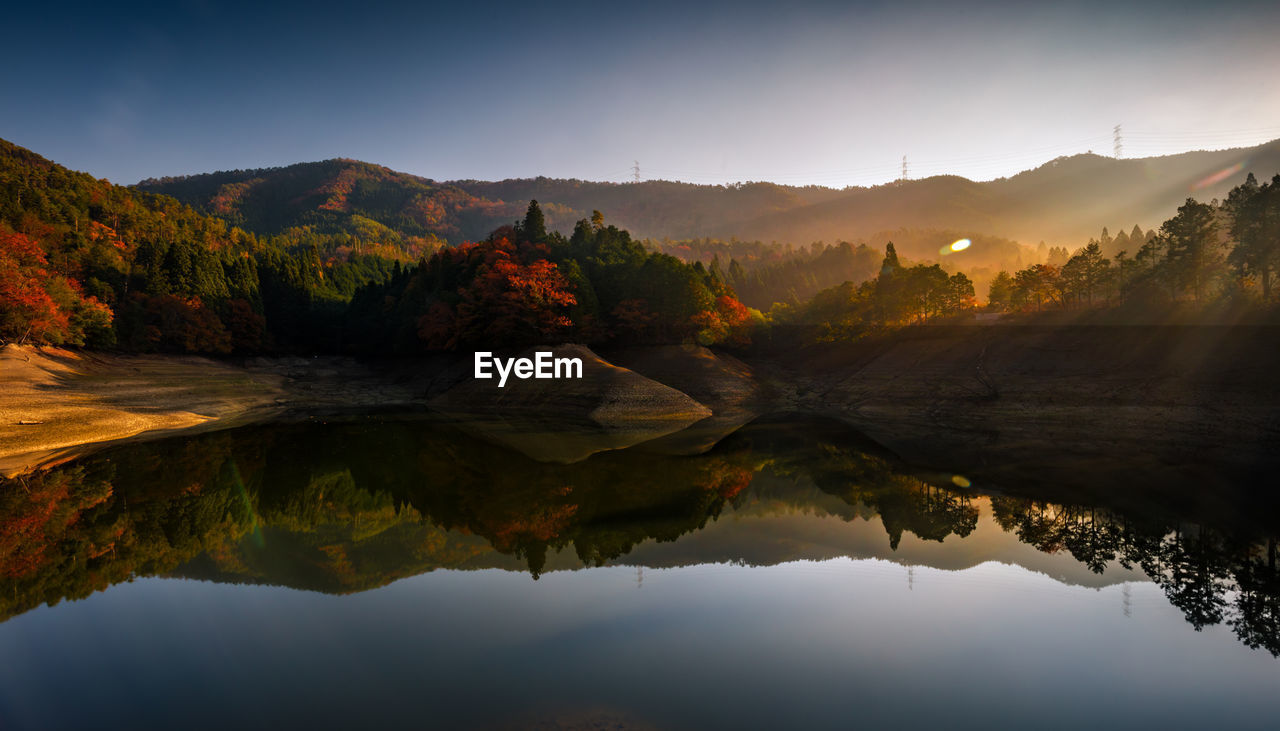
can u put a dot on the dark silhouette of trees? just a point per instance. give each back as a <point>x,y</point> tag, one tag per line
<point>534,226</point>
<point>1254,214</point>
<point>1192,246</point>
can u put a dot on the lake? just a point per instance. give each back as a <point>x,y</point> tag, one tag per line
<point>410,572</point>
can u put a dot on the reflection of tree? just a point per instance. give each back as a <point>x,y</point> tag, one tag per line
<point>1091,536</point>
<point>1198,569</point>
<point>347,508</point>
<point>1257,609</point>
<point>65,533</point>
<point>903,502</point>
<point>603,506</point>
<point>930,512</point>
<point>1196,577</point>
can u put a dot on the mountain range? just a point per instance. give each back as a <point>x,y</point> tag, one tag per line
<point>1062,202</point>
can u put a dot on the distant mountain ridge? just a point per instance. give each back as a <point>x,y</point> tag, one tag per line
<point>1063,202</point>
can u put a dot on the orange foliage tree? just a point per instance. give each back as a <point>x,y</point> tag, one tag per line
<point>38,305</point>
<point>504,295</point>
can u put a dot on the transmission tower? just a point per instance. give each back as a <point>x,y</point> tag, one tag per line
<point>1115,135</point>
<point>904,168</point>
<point>635,172</point>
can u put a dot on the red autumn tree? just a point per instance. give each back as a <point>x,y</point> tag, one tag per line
<point>246,327</point>
<point>729,322</point>
<point>634,318</point>
<point>505,296</point>
<point>38,305</point>
<point>174,323</point>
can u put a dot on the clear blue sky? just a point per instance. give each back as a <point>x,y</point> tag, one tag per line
<point>826,93</point>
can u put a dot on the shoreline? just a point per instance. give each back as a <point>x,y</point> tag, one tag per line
<point>1003,403</point>
<point>57,404</point>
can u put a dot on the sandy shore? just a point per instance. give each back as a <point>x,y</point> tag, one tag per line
<point>52,401</point>
<point>58,404</point>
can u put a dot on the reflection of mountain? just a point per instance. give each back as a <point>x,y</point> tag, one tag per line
<point>352,507</point>
<point>814,526</point>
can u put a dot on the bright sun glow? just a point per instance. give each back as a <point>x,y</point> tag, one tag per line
<point>955,246</point>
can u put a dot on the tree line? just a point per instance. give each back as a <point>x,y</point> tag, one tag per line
<point>897,296</point>
<point>525,284</point>
<point>1207,252</point>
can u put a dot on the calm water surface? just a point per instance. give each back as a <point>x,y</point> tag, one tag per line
<point>407,573</point>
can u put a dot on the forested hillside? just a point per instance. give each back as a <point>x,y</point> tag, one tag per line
<point>1214,262</point>
<point>85,262</point>
<point>763,274</point>
<point>1062,202</point>
<point>367,202</point>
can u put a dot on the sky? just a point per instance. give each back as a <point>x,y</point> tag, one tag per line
<point>798,93</point>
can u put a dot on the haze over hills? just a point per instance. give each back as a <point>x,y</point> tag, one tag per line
<point>1063,202</point>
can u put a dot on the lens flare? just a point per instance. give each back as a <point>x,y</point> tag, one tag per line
<point>1219,176</point>
<point>955,246</point>
<point>960,481</point>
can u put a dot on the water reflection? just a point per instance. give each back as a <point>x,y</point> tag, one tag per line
<point>346,508</point>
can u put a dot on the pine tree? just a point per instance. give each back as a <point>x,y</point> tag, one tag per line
<point>1192,240</point>
<point>1000,293</point>
<point>890,264</point>
<point>1254,215</point>
<point>534,226</point>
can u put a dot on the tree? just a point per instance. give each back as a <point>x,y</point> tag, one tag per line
<point>1000,293</point>
<point>534,226</point>
<point>1036,283</point>
<point>928,289</point>
<point>1254,215</point>
<point>487,293</point>
<point>1085,272</point>
<point>890,263</point>
<point>39,305</point>
<point>960,294</point>
<point>1094,268</point>
<point>1123,265</point>
<point>1191,238</point>
<point>27,311</point>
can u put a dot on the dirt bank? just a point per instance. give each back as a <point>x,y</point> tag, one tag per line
<point>1006,404</point>
<point>56,404</point>
<point>1010,401</point>
<point>53,401</point>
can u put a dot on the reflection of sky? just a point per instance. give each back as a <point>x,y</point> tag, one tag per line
<point>800,92</point>
<point>806,644</point>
